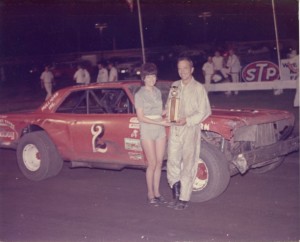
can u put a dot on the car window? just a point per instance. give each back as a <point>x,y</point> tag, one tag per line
<point>96,101</point>
<point>113,100</point>
<point>74,103</point>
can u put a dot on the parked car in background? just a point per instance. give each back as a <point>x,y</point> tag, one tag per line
<point>128,68</point>
<point>96,126</point>
<point>64,70</point>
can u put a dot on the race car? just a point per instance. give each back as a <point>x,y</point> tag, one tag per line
<point>96,125</point>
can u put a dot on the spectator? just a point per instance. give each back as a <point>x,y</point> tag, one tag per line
<point>47,81</point>
<point>293,65</point>
<point>103,73</point>
<point>218,62</point>
<point>82,76</point>
<point>233,68</point>
<point>113,73</point>
<point>208,70</point>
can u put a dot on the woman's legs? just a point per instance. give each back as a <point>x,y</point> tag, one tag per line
<point>160,145</point>
<point>149,149</point>
<point>154,151</point>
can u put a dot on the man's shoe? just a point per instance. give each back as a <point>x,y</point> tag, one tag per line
<point>176,194</point>
<point>173,203</point>
<point>181,205</point>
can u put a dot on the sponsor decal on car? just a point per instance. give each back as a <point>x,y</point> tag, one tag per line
<point>7,130</point>
<point>134,126</point>
<point>134,134</point>
<point>135,156</point>
<point>134,123</point>
<point>134,120</point>
<point>205,126</point>
<point>132,144</point>
<point>50,104</point>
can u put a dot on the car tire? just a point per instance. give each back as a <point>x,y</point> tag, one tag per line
<point>263,169</point>
<point>213,174</point>
<point>38,157</point>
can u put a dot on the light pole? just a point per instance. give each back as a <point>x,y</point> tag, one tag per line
<point>205,16</point>
<point>101,27</point>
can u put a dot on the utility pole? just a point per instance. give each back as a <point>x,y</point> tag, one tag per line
<point>141,31</point>
<point>205,16</point>
<point>101,27</point>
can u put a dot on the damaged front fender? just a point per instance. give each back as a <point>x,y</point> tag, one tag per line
<point>265,154</point>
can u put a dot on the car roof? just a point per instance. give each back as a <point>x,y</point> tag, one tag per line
<point>107,84</point>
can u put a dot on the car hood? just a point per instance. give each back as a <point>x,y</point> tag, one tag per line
<point>227,121</point>
<point>251,116</point>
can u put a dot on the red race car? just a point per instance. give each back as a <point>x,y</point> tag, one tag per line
<point>96,126</point>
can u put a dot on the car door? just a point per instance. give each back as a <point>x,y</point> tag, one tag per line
<point>104,127</point>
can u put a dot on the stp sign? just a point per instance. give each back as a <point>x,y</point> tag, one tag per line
<point>260,71</point>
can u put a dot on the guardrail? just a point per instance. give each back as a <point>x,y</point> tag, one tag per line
<point>249,86</point>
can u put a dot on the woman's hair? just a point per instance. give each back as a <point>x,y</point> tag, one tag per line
<point>148,69</point>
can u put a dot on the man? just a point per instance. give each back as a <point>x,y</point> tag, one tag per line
<point>293,65</point>
<point>102,74</point>
<point>82,76</point>
<point>47,81</point>
<point>233,69</point>
<point>218,62</point>
<point>208,70</point>
<point>185,134</point>
<point>113,73</point>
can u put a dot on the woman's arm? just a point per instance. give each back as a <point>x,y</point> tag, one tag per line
<point>144,119</point>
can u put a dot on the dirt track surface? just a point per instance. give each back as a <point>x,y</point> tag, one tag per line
<point>101,205</point>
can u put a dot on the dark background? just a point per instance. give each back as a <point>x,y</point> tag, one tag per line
<point>54,27</point>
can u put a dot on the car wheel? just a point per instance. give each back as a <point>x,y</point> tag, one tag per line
<point>212,176</point>
<point>263,169</point>
<point>37,156</point>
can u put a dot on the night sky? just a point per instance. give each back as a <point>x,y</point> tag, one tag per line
<point>53,27</point>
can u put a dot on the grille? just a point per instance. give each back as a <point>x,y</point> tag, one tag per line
<point>264,134</point>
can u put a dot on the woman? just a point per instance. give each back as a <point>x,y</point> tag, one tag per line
<point>148,104</point>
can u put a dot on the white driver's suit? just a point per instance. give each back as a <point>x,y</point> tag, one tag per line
<point>184,141</point>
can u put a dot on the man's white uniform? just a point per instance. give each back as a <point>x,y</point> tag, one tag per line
<point>47,79</point>
<point>113,75</point>
<point>82,76</point>
<point>294,68</point>
<point>208,69</point>
<point>102,75</point>
<point>184,141</point>
<point>234,67</point>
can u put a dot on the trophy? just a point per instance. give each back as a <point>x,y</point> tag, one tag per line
<point>173,106</point>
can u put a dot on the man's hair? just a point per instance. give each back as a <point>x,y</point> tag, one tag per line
<point>148,69</point>
<point>185,58</point>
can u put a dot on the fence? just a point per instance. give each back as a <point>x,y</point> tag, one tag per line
<point>248,86</point>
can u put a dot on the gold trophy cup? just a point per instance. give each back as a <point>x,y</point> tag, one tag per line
<point>173,105</point>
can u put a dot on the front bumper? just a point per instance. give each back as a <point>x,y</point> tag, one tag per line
<point>265,154</point>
